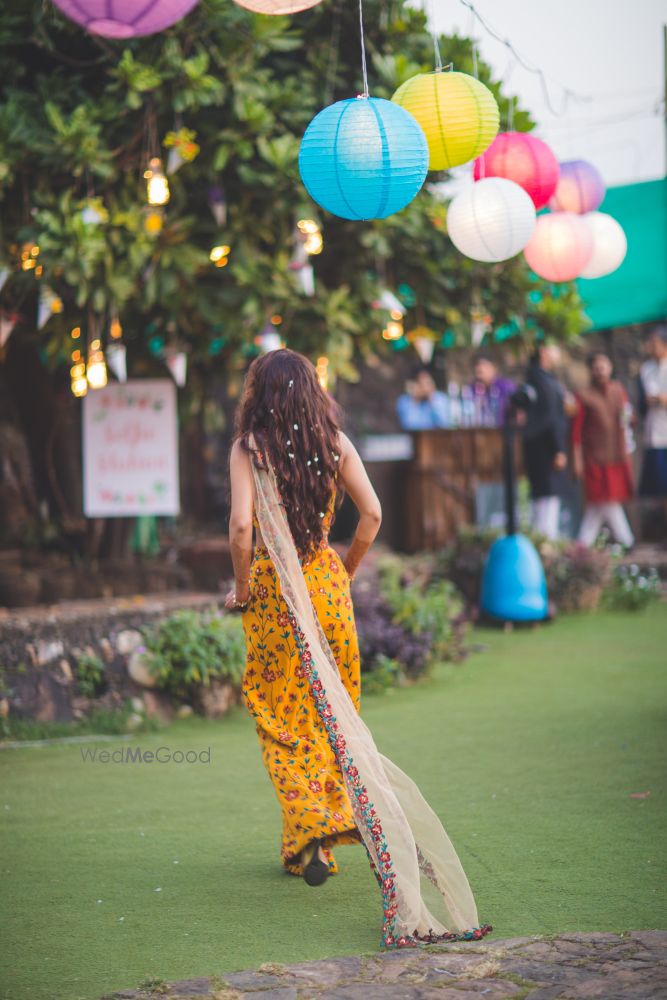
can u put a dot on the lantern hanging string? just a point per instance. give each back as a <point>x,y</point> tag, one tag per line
<point>332,62</point>
<point>510,113</point>
<point>475,68</point>
<point>363,49</point>
<point>428,14</point>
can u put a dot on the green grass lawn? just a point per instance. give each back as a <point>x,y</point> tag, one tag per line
<point>529,752</point>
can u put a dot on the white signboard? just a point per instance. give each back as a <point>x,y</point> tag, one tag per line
<point>130,449</point>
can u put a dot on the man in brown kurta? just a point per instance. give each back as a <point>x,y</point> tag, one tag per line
<point>600,453</point>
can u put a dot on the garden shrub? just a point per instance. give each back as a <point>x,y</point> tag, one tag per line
<point>381,639</point>
<point>191,648</point>
<point>423,603</point>
<point>406,620</point>
<point>631,590</point>
<point>89,672</point>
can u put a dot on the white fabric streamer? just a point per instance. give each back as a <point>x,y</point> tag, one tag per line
<point>426,896</point>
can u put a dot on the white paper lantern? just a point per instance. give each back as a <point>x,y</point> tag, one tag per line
<point>492,220</point>
<point>277,6</point>
<point>609,245</point>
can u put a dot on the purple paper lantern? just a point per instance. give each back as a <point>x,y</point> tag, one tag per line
<point>125,18</point>
<point>580,188</point>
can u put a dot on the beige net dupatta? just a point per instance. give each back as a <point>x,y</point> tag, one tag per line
<point>425,893</point>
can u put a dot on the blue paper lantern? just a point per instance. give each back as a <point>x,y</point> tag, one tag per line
<point>363,158</point>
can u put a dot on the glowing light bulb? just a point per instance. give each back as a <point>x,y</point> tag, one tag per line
<point>219,254</point>
<point>313,243</point>
<point>157,188</point>
<point>322,369</point>
<point>79,383</point>
<point>393,331</point>
<point>96,371</point>
<point>154,221</point>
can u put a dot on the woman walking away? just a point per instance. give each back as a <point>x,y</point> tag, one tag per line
<point>290,464</point>
<point>600,453</point>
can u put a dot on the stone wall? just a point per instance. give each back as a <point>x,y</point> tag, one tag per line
<point>40,649</point>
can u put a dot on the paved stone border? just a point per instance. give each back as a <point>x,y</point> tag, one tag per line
<point>590,966</point>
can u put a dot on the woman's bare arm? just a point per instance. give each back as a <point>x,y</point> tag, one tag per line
<point>240,521</point>
<point>358,485</point>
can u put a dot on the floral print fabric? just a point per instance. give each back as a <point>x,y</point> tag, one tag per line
<point>293,740</point>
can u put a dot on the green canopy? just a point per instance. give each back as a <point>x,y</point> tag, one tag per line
<point>637,291</point>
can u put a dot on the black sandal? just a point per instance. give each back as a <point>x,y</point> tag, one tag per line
<point>315,872</point>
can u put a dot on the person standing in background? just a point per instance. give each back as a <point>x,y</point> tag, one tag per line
<point>600,453</point>
<point>422,406</point>
<point>653,407</point>
<point>544,434</point>
<point>490,391</point>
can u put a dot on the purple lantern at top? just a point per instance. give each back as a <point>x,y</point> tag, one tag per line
<point>125,18</point>
<point>580,188</point>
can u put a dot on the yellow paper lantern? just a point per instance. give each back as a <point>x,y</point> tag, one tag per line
<point>458,114</point>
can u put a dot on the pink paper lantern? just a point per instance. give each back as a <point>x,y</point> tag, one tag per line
<point>125,18</point>
<point>580,188</point>
<point>524,159</point>
<point>561,246</point>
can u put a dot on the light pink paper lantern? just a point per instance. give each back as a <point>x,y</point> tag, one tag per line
<point>561,246</point>
<point>125,18</point>
<point>277,6</point>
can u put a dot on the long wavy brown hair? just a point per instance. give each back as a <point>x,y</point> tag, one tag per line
<point>296,423</point>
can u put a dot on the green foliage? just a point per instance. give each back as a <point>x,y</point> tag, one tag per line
<point>631,589</point>
<point>386,674</point>
<point>423,603</point>
<point>89,672</point>
<point>76,113</point>
<point>100,720</point>
<point>191,648</point>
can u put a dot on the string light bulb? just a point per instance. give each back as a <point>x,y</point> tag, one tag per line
<point>157,188</point>
<point>311,236</point>
<point>79,382</point>
<point>322,369</point>
<point>220,255</point>
<point>29,253</point>
<point>393,330</point>
<point>153,221</point>
<point>96,371</point>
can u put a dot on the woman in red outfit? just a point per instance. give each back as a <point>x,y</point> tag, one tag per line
<point>600,453</point>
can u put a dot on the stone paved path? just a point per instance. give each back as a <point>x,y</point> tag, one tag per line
<point>595,966</point>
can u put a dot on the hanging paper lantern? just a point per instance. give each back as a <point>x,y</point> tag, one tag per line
<point>277,6</point>
<point>363,158</point>
<point>580,188</point>
<point>609,245</point>
<point>177,363</point>
<point>458,114</point>
<point>117,360</point>
<point>491,220</point>
<point>561,246</point>
<point>125,18</point>
<point>524,159</point>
